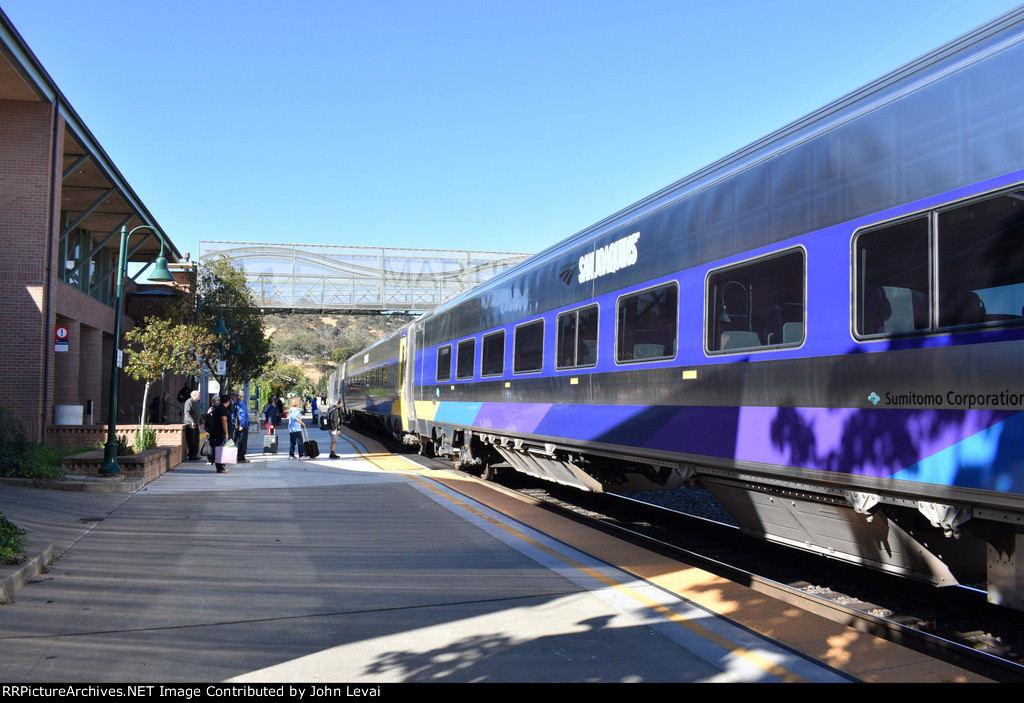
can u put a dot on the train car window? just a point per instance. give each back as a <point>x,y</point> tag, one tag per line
<point>951,268</point>
<point>981,262</point>
<point>647,325</point>
<point>577,338</point>
<point>756,304</point>
<point>492,362</point>
<point>892,275</point>
<point>528,347</point>
<point>466,359</point>
<point>444,363</point>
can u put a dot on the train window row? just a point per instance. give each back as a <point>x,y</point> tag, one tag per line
<point>647,323</point>
<point>528,353</point>
<point>371,378</point>
<point>949,268</point>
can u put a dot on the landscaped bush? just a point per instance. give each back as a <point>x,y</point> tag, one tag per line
<point>14,446</point>
<point>20,458</point>
<point>43,462</point>
<point>11,541</point>
<point>146,439</point>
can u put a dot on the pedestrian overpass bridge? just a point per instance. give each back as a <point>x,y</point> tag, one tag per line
<point>310,278</point>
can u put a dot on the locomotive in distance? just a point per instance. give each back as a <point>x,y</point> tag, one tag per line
<point>739,328</point>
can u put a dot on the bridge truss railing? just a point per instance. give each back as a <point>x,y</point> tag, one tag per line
<point>348,279</point>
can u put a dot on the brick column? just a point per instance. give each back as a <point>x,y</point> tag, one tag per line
<point>66,366</point>
<point>90,379</point>
<point>29,197</point>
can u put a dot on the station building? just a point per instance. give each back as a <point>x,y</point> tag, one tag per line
<point>63,205</point>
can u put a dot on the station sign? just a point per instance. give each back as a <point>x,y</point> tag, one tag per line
<point>60,338</point>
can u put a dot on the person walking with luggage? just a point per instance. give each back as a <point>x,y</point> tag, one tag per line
<point>334,426</point>
<point>271,416</point>
<point>240,416</point>
<point>295,427</point>
<point>193,415</point>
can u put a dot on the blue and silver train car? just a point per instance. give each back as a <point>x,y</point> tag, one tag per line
<point>825,329</point>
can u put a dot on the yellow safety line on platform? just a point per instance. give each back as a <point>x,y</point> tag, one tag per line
<point>663,610</point>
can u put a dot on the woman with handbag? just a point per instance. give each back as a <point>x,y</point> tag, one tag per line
<point>219,430</point>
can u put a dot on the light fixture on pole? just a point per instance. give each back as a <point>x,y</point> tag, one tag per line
<point>160,274</point>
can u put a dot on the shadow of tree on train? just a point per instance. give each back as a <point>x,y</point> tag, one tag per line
<point>889,418</point>
<point>951,446</point>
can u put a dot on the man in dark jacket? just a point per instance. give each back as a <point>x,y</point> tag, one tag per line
<point>240,423</point>
<point>271,416</point>
<point>193,415</point>
<point>334,426</point>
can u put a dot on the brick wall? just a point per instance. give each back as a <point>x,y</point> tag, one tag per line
<point>28,212</point>
<point>74,437</point>
<point>33,377</point>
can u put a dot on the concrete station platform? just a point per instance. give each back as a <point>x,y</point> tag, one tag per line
<point>372,568</point>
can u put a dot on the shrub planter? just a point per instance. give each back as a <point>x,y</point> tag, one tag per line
<point>146,465</point>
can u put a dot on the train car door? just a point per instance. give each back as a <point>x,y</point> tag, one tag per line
<point>407,408</point>
<point>342,389</point>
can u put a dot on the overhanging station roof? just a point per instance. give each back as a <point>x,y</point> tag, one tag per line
<point>95,196</point>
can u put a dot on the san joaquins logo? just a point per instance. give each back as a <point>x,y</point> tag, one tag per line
<point>608,259</point>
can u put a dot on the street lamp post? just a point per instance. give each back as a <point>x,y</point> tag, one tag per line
<point>160,273</point>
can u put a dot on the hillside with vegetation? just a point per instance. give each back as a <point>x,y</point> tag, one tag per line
<point>308,348</point>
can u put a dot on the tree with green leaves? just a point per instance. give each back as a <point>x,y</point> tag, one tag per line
<point>282,378</point>
<point>225,307</point>
<point>157,345</point>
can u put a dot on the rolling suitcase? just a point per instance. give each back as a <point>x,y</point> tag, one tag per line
<point>309,446</point>
<point>270,444</point>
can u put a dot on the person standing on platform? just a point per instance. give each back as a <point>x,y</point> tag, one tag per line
<point>271,416</point>
<point>334,426</point>
<point>241,425</point>
<point>158,409</point>
<point>295,425</point>
<point>193,415</point>
<point>219,429</point>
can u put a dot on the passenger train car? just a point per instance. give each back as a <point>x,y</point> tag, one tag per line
<point>825,329</point>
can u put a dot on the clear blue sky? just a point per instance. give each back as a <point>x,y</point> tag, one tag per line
<point>504,125</point>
